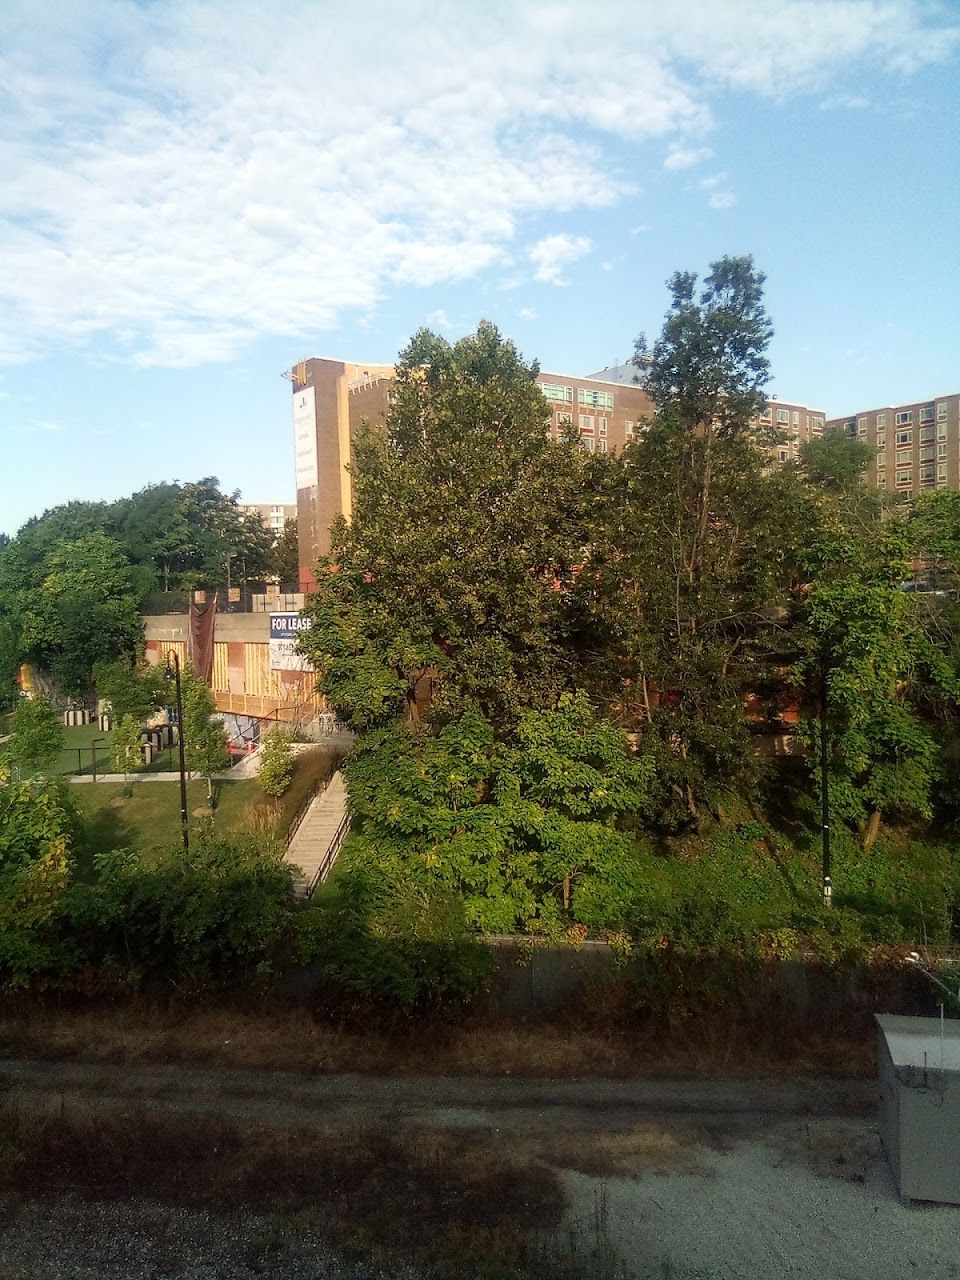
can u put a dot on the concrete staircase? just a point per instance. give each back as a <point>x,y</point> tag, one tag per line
<point>316,842</point>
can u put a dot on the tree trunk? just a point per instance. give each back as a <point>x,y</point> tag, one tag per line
<point>871,830</point>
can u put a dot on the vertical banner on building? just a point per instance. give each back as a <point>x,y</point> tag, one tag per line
<point>305,437</point>
<point>285,630</point>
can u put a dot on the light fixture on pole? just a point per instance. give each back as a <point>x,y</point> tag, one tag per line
<point>173,673</point>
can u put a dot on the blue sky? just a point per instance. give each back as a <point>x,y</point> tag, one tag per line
<point>197,193</point>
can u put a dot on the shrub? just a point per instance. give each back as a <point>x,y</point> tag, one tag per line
<point>276,763</point>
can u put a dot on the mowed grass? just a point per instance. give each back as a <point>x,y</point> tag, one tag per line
<point>149,820</point>
<point>77,756</point>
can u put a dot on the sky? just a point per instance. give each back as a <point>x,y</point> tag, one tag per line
<point>195,194</point>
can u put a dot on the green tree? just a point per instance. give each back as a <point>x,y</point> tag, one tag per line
<point>526,832</point>
<point>276,762</point>
<point>288,557</point>
<point>127,757</point>
<point>85,611</point>
<point>138,693</point>
<point>869,643</point>
<point>467,527</point>
<point>36,733</point>
<point>836,463</point>
<point>693,548</point>
<point>204,738</point>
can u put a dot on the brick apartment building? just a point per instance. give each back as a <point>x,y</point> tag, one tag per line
<point>916,446</point>
<point>273,514</point>
<point>795,423</point>
<point>332,397</point>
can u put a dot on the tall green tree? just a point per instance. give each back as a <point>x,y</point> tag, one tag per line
<point>204,737</point>
<point>871,646</point>
<point>467,528</point>
<point>84,611</point>
<point>694,546</point>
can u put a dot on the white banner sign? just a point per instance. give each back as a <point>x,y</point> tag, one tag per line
<point>285,630</point>
<point>305,437</point>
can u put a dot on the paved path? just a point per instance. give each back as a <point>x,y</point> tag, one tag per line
<point>310,846</point>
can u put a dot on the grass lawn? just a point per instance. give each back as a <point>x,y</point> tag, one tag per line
<point>150,819</point>
<point>78,752</point>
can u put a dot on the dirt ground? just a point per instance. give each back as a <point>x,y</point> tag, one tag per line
<point>621,1178</point>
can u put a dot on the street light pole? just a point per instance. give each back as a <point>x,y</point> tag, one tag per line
<point>825,788</point>
<point>173,670</point>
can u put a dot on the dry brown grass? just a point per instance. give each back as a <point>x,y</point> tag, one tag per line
<point>451,1203</point>
<point>643,1150</point>
<point>293,1039</point>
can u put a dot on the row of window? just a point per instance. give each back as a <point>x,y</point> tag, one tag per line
<point>594,399</point>
<point>788,417</point>
<point>902,418</point>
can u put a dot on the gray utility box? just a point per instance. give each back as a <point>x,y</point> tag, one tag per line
<point>919,1062</point>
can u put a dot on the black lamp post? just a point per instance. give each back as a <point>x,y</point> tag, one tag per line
<point>173,673</point>
<point>825,787</point>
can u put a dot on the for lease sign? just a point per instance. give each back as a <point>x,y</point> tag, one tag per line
<point>285,629</point>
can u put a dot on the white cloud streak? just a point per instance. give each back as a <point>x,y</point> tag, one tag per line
<point>181,178</point>
<point>553,253</point>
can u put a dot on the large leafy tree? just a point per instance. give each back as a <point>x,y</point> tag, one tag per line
<point>869,646</point>
<point>525,831</point>
<point>468,525</point>
<point>85,610</point>
<point>694,546</point>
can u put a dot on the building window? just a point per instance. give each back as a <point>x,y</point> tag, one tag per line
<point>818,426</point>
<point>628,430</point>
<point>903,417</point>
<point>942,449</point>
<point>861,426</point>
<point>881,479</point>
<point>783,415</point>
<point>927,453</point>
<point>926,413</point>
<point>904,456</point>
<point>796,418</point>
<point>598,399</point>
<point>553,391</point>
<point>767,415</point>
<point>904,477</point>
<point>602,446</point>
<point>602,426</point>
<point>881,439</point>
<point>587,444</point>
<point>881,420</point>
<point>942,471</point>
<point>586,424</point>
<point>904,437</point>
<point>942,411</point>
<point>927,433</point>
<point>564,420</point>
<point>926,475</point>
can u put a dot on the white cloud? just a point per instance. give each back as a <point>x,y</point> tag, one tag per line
<point>439,320</point>
<point>640,229</point>
<point>722,200</point>
<point>527,313</point>
<point>686,157</point>
<point>551,254</point>
<point>181,178</point>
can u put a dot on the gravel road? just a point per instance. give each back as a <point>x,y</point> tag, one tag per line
<point>706,1179</point>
